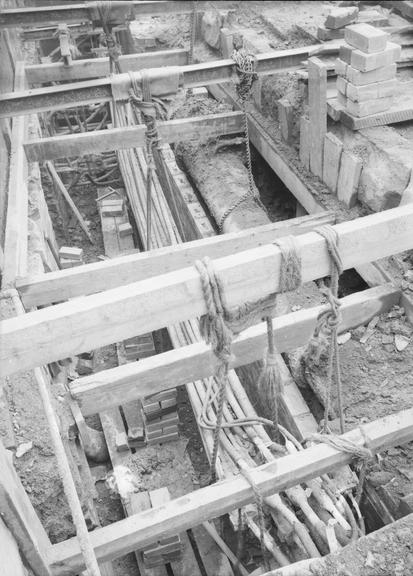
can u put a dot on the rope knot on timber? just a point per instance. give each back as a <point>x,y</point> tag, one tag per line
<point>364,454</point>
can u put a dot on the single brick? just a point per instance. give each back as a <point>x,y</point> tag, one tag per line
<point>367,62</point>
<point>71,253</point>
<point>340,17</point>
<point>369,107</point>
<point>66,263</point>
<point>124,229</point>
<point>373,17</point>
<point>363,78</point>
<point>112,208</point>
<point>366,38</point>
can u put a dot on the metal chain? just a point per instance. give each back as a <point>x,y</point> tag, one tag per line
<point>246,65</point>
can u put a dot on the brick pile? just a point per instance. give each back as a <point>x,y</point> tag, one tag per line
<point>160,417</point>
<point>340,17</point>
<point>70,256</point>
<point>366,70</point>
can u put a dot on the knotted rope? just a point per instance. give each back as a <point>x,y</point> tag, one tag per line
<point>104,9</point>
<point>245,65</point>
<point>327,327</point>
<point>362,453</point>
<point>270,381</point>
<point>141,97</point>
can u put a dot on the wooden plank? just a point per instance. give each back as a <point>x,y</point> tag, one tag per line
<point>15,239</point>
<point>305,141</point>
<point>348,178</point>
<point>20,517</point>
<point>317,100</point>
<point>86,323</point>
<point>9,550</point>
<point>286,119</point>
<point>182,365</point>
<point>100,67</point>
<point>91,278</point>
<point>100,141</point>
<point>192,509</point>
<point>87,92</point>
<point>333,148</point>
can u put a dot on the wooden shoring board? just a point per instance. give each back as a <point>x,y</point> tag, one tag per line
<point>190,363</point>
<point>91,278</point>
<point>100,90</point>
<point>16,230</point>
<point>71,145</point>
<point>100,67</point>
<point>206,503</point>
<point>21,519</point>
<point>73,327</point>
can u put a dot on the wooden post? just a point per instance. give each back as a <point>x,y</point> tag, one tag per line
<point>21,519</point>
<point>333,148</point>
<point>286,119</point>
<point>348,178</point>
<point>317,99</point>
<point>227,42</point>
<point>305,141</point>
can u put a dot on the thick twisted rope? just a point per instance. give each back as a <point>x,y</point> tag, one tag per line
<point>259,503</point>
<point>104,9</point>
<point>327,326</point>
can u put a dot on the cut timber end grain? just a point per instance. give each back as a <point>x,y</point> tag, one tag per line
<point>363,78</point>
<point>71,253</point>
<point>340,17</point>
<point>366,38</point>
<point>367,62</point>
<point>368,107</point>
<point>124,229</point>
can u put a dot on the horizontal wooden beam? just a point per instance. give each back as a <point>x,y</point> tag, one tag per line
<point>192,509</point>
<point>79,12</point>
<point>91,278</point>
<point>109,388</point>
<point>100,67</point>
<point>93,321</point>
<point>100,90</point>
<point>95,142</point>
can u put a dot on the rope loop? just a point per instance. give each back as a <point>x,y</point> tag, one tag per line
<point>246,67</point>
<point>290,270</point>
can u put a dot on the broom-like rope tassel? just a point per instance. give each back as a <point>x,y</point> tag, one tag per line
<point>270,381</point>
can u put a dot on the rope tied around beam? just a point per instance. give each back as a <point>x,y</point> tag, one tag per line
<point>364,454</point>
<point>245,65</point>
<point>270,380</point>
<point>150,108</point>
<point>104,10</point>
<point>323,342</point>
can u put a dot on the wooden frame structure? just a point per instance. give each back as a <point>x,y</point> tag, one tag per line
<point>113,300</point>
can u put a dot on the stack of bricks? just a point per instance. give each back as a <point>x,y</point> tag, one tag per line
<point>160,417</point>
<point>339,18</point>
<point>168,549</point>
<point>366,70</point>
<point>70,256</point>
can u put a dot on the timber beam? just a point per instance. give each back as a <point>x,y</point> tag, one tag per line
<point>135,380</point>
<point>77,13</point>
<point>96,142</point>
<point>140,530</point>
<point>100,67</point>
<point>100,90</point>
<point>91,278</point>
<point>90,322</point>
